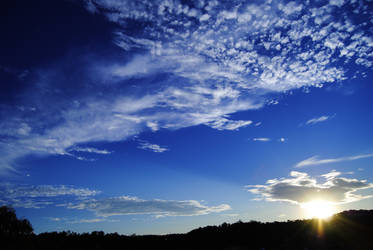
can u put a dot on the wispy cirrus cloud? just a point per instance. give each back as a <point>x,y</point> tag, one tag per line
<point>91,150</point>
<point>301,188</point>
<point>317,120</point>
<point>266,139</point>
<point>126,205</point>
<point>316,160</point>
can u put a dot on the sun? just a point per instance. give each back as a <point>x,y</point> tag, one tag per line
<point>320,209</point>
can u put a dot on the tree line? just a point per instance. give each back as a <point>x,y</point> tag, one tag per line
<point>351,229</point>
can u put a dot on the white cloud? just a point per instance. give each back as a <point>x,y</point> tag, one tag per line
<point>338,3</point>
<point>262,139</point>
<point>204,17</point>
<point>317,119</point>
<point>315,160</point>
<point>301,188</point>
<point>152,147</point>
<point>152,125</point>
<point>91,150</point>
<point>126,205</point>
<point>290,8</point>
<point>225,124</point>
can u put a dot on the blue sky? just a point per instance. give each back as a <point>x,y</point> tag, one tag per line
<point>163,116</point>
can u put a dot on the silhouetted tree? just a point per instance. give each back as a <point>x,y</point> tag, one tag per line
<point>14,233</point>
<point>11,226</point>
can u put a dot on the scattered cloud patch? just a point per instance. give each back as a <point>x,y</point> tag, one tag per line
<point>316,160</point>
<point>31,196</point>
<point>300,188</point>
<point>126,205</point>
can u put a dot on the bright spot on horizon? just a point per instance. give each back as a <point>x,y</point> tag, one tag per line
<point>320,209</point>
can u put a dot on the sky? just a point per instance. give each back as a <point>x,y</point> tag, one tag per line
<point>155,117</point>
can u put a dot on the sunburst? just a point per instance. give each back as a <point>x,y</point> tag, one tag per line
<point>320,209</point>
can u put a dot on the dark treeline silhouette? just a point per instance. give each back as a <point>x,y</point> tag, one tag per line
<point>347,230</point>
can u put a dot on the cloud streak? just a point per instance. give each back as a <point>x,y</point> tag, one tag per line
<point>300,188</point>
<point>315,160</point>
<point>261,139</point>
<point>317,120</point>
<point>126,205</point>
<point>80,221</point>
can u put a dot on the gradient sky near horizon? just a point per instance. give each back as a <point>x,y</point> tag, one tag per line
<point>162,116</point>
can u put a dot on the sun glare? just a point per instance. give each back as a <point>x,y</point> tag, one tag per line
<point>319,209</point>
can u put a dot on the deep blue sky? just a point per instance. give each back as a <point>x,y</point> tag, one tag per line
<point>162,116</point>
